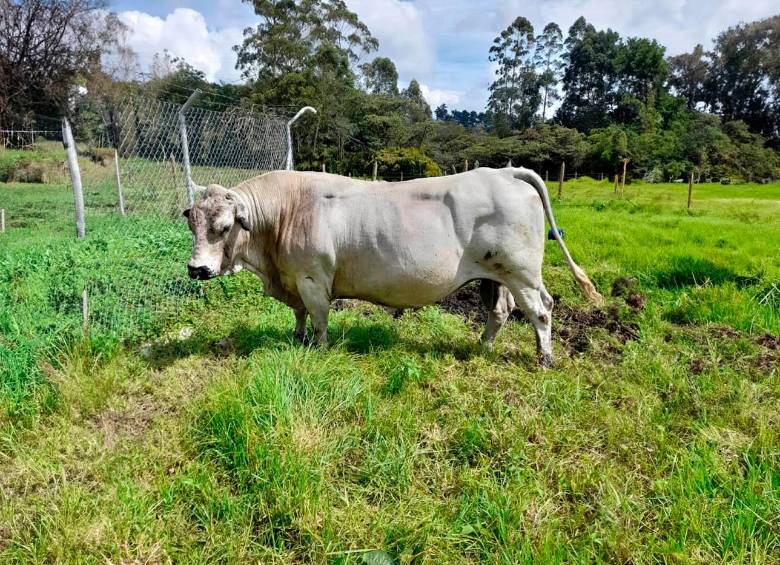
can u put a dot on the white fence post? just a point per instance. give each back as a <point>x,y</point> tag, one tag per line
<point>289,135</point>
<point>75,175</point>
<point>119,183</point>
<point>2,220</point>
<point>185,149</point>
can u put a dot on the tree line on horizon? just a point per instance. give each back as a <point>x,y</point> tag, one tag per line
<point>590,98</point>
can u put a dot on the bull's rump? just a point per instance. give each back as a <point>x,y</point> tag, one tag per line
<point>411,244</point>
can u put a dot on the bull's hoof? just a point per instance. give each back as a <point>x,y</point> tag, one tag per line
<point>487,344</point>
<point>545,360</point>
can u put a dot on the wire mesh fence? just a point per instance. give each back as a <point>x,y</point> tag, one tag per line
<point>134,197</point>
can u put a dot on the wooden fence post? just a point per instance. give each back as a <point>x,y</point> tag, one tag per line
<point>465,165</point>
<point>601,178</point>
<point>323,167</point>
<point>454,170</point>
<point>119,183</point>
<point>75,175</point>
<point>546,175</point>
<point>85,311</point>
<point>375,169</point>
<point>623,184</point>
<point>2,220</point>
<point>617,177</point>
<point>690,189</point>
<point>560,179</point>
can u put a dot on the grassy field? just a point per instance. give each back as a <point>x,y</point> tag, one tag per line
<point>656,437</point>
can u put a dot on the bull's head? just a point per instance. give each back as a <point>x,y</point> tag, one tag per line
<point>216,220</point>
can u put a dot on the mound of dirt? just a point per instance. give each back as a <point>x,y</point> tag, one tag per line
<point>626,288</point>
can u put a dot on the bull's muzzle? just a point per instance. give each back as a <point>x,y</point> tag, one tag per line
<point>201,273</point>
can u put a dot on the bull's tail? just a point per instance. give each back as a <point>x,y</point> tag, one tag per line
<point>582,279</point>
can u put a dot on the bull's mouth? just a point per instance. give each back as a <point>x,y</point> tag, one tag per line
<point>200,273</point>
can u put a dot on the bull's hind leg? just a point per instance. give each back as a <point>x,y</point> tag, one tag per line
<point>537,305</point>
<point>499,304</point>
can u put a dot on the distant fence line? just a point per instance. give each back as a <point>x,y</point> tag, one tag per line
<point>25,138</point>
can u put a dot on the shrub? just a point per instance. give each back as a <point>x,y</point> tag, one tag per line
<point>26,170</point>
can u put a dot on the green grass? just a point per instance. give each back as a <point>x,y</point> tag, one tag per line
<point>404,442</point>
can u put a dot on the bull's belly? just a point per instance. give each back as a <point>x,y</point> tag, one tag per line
<point>403,286</point>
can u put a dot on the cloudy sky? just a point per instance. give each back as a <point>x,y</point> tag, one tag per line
<point>441,43</point>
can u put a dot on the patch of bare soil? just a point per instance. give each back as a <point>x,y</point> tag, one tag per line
<point>466,302</point>
<point>769,341</point>
<point>574,324</point>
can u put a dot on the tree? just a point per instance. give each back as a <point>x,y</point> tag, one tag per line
<point>590,77</point>
<point>641,68</point>
<point>45,48</point>
<point>442,113</point>
<point>687,75</point>
<point>744,78</point>
<point>549,48</point>
<point>291,31</point>
<point>417,107</point>
<point>514,95</point>
<point>381,76</point>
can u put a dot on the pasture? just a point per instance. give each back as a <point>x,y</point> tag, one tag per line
<point>656,436</point>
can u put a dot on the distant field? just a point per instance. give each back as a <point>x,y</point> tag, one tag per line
<point>656,437</point>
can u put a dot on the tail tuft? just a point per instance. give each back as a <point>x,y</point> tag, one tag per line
<point>587,287</point>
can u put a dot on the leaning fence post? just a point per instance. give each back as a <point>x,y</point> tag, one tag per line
<point>560,179</point>
<point>75,175</point>
<point>303,110</point>
<point>119,183</point>
<point>185,148</point>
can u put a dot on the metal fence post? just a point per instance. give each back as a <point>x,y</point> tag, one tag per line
<point>289,165</point>
<point>119,183</point>
<point>75,175</point>
<point>185,148</point>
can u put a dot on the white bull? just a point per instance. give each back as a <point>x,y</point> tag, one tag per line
<point>315,237</point>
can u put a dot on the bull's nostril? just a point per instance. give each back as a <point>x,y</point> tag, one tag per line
<point>199,273</point>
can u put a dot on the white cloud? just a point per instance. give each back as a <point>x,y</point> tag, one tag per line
<point>436,96</point>
<point>184,33</point>
<point>399,28</point>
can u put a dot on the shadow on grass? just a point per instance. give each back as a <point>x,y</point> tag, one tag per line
<point>692,271</point>
<point>244,340</point>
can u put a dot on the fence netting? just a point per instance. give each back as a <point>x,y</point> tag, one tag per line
<point>135,192</point>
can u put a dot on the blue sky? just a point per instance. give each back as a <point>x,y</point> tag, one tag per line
<point>442,43</point>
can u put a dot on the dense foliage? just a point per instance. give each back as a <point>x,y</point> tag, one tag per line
<point>589,96</point>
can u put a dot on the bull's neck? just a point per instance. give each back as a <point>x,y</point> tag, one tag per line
<point>263,209</point>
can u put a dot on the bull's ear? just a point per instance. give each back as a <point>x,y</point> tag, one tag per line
<point>242,212</point>
<point>186,213</point>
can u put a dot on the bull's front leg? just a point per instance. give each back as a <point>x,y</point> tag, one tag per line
<point>316,298</point>
<point>300,324</point>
